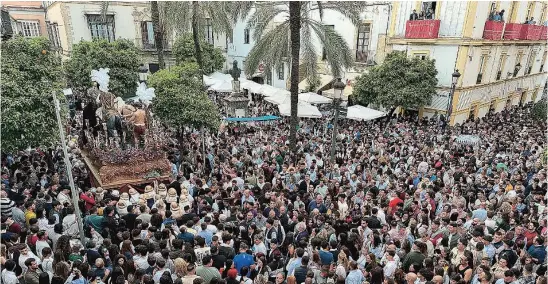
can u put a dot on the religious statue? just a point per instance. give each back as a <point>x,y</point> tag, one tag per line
<point>138,117</point>
<point>235,73</point>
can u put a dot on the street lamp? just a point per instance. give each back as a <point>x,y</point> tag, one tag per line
<point>338,88</point>
<point>455,79</point>
<point>68,165</point>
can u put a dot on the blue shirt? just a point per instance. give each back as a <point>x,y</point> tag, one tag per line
<point>207,235</point>
<point>326,257</point>
<point>480,214</point>
<point>293,265</point>
<point>354,277</point>
<point>242,260</point>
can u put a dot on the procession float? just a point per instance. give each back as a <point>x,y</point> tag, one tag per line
<point>121,143</point>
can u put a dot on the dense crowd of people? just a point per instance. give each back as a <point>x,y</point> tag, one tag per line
<point>403,202</point>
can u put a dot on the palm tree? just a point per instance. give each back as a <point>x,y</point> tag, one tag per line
<point>295,35</point>
<point>179,17</point>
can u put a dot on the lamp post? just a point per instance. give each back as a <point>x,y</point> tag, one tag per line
<point>68,165</point>
<point>455,77</point>
<point>338,88</point>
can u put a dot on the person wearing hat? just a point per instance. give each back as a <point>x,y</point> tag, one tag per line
<point>134,196</point>
<point>161,191</point>
<point>125,197</point>
<point>99,194</point>
<point>149,196</point>
<point>121,207</point>
<point>176,210</point>
<point>171,195</point>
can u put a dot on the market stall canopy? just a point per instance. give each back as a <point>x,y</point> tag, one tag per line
<point>221,87</point>
<point>208,81</point>
<point>220,76</point>
<point>252,87</point>
<point>303,110</point>
<point>250,119</point>
<point>271,91</point>
<point>313,98</point>
<point>362,113</point>
<point>278,99</point>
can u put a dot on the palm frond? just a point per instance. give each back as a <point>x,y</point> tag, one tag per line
<point>349,9</point>
<point>175,16</point>
<point>219,15</point>
<point>273,46</point>
<point>262,16</point>
<point>309,56</point>
<point>320,9</point>
<point>239,10</point>
<point>337,50</point>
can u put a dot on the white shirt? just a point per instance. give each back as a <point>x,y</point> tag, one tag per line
<point>62,198</point>
<point>70,225</point>
<point>390,268</point>
<point>22,259</point>
<point>9,277</point>
<point>40,245</point>
<point>141,262</point>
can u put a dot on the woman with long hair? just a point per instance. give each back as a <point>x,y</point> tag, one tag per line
<point>127,249</point>
<point>43,278</point>
<point>179,268</point>
<point>63,247</point>
<point>61,272</point>
<point>342,265</point>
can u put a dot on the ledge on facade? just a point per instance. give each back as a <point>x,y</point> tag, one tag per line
<point>503,81</point>
<point>460,41</point>
<point>422,29</point>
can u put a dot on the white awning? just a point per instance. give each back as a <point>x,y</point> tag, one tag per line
<point>303,110</point>
<point>220,76</point>
<point>208,81</point>
<point>324,80</point>
<point>313,98</point>
<point>221,87</point>
<point>278,99</point>
<point>362,113</point>
<point>268,91</point>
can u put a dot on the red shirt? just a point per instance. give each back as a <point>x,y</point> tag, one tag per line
<point>90,201</point>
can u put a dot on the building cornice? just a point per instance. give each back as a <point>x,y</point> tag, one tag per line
<point>463,41</point>
<point>500,82</point>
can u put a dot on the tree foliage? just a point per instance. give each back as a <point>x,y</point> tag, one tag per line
<point>180,100</point>
<point>184,52</point>
<point>398,81</point>
<point>538,110</point>
<point>120,56</point>
<point>273,44</point>
<point>31,71</point>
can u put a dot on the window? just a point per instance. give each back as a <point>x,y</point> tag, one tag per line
<point>529,66</point>
<point>147,35</point>
<point>53,34</point>
<point>101,28</point>
<point>281,72</point>
<point>324,51</point>
<point>429,9</point>
<point>529,11</point>
<point>209,31</point>
<point>518,61</point>
<point>542,62</point>
<point>543,14</point>
<point>502,62</point>
<point>28,28</point>
<point>268,77</point>
<point>483,63</point>
<point>421,56</point>
<point>246,36</point>
<point>362,43</point>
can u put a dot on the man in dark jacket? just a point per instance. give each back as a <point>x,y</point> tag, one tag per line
<point>301,271</point>
<point>508,253</point>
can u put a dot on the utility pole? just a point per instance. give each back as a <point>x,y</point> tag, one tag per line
<point>68,165</point>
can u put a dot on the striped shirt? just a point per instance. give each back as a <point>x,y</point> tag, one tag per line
<point>6,206</point>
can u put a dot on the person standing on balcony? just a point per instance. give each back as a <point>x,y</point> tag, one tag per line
<point>501,14</point>
<point>414,16</point>
<point>429,14</point>
<point>497,17</point>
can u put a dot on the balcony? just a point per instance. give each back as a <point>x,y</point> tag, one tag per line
<point>513,31</point>
<point>544,33</point>
<point>531,32</point>
<point>422,29</point>
<point>493,30</point>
